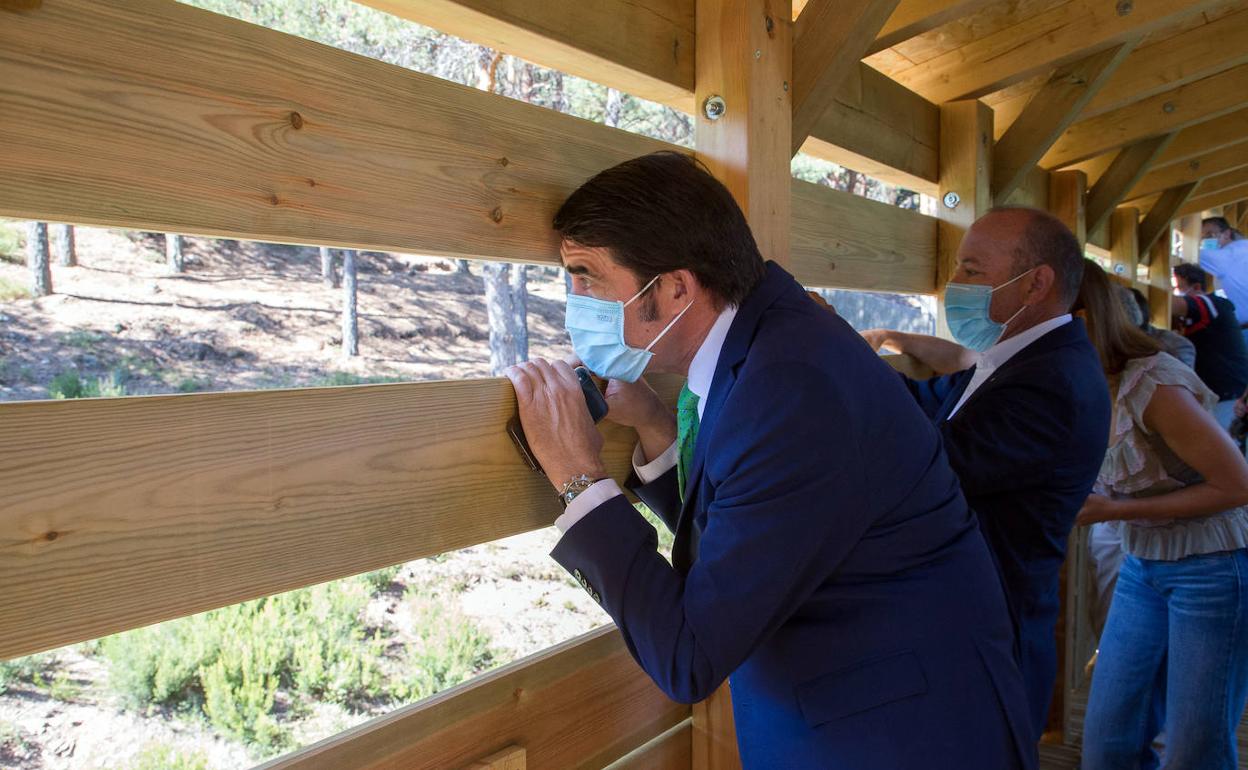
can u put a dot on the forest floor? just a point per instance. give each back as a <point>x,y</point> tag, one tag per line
<point>248,316</point>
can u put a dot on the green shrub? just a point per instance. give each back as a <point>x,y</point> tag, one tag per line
<point>380,580</point>
<point>449,649</point>
<point>11,290</point>
<point>69,384</point>
<point>158,756</point>
<point>28,669</point>
<point>339,379</point>
<point>12,243</point>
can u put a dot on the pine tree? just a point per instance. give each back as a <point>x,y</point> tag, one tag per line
<point>37,257</point>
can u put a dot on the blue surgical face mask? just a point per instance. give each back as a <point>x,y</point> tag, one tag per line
<point>1209,244</point>
<point>597,330</point>
<point>966,310</point>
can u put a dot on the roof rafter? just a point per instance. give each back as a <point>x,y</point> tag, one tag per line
<point>1158,219</point>
<point>1193,170</point>
<point>1123,174</point>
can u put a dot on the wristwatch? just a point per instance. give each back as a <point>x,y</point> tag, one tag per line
<point>579,483</point>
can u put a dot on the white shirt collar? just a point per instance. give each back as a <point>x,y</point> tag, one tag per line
<point>702,367</point>
<point>998,354</point>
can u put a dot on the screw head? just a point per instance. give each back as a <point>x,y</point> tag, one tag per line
<point>786,85</point>
<point>1168,107</point>
<point>1124,7</point>
<point>714,107</point>
<point>952,199</point>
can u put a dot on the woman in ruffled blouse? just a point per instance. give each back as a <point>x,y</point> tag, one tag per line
<point>1176,487</point>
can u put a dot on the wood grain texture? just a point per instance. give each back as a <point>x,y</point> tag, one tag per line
<point>1197,204</point>
<point>118,513</point>
<point>1061,34</point>
<point>642,47</point>
<point>511,758</point>
<point>1124,173</point>
<point>1204,166</point>
<point>1170,111</point>
<point>1048,114</point>
<point>914,17</point>
<point>882,129</point>
<point>829,39</point>
<point>582,704</point>
<point>966,169</point>
<point>1124,251</point>
<point>154,115</point>
<point>673,750</point>
<point>1206,137</point>
<point>847,241</point>
<point>1068,200</point>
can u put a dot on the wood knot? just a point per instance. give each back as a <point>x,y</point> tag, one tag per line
<point>51,536</point>
<point>311,183</point>
<point>17,6</point>
<point>503,162</point>
<point>273,200</point>
<point>519,692</point>
<point>497,214</point>
<point>831,265</point>
<point>296,120</point>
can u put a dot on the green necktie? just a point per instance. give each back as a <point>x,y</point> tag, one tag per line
<point>686,434</point>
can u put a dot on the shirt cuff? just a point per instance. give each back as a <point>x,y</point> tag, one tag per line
<point>650,471</point>
<point>597,494</point>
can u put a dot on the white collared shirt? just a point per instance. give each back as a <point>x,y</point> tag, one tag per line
<point>701,373</point>
<point>995,357</point>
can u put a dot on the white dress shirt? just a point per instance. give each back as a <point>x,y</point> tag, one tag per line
<point>1229,265</point>
<point>995,357</point>
<point>701,372</point>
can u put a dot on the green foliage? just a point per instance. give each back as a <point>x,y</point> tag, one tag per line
<point>380,580</point>
<point>11,290</point>
<point>12,243</point>
<point>666,538</point>
<point>68,385</point>
<point>192,385</point>
<point>449,648</point>
<point>340,379</point>
<point>28,669</point>
<point>84,339</point>
<point>159,756</point>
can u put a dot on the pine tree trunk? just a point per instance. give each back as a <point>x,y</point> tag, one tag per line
<point>64,245</point>
<point>173,253</point>
<point>520,309</point>
<point>37,257</point>
<point>611,110</point>
<point>462,267</point>
<point>328,276</point>
<point>502,317</point>
<point>350,315</point>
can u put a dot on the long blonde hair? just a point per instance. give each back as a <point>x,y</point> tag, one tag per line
<point>1115,338</point>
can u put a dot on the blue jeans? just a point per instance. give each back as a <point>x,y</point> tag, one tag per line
<point>1184,623</point>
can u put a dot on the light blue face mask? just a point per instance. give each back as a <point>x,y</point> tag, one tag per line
<point>1209,244</point>
<point>597,330</point>
<point>966,310</point>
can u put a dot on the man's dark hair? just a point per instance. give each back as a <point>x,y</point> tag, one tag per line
<point>1046,240</point>
<point>1145,311</point>
<point>665,212</point>
<point>1218,222</point>
<point>1192,274</point>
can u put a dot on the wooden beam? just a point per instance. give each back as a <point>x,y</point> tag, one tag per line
<point>1202,203</point>
<point>1164,113</point>
<point>1242,221</point>
<point>744,57</point>
<point>1201,167</point>
<point>847,241</point>
<point>1124,249</point>
<point>1061,34</point>
<point>1068,198</point>
<point>1158,219</point>
<point>912,18</point>
<point>1048,114</point>
<point>673,750</point>
<point>965,171</point>
<point>881,129</point>
<point>1162,65</point>
<point>1033,191</point>
<point>1222,182</point>
<point>146,509</point>
<point>510,758</point>
<point>829,39</point>
<point>1206,137</point>
<point>156,116</point>
<point>584,703</point>
<point>1123,174</point>
<point>643,48</point>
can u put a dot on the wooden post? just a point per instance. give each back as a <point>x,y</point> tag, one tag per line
<point>1124,227</point>
<point>1068,199</point>
<point>965,172</point>
<point>744,58</point>
<point>1159,292</point>
<point>38,258</point>
<point>64,245</point>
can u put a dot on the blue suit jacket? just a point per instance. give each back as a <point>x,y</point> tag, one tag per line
<point>825,559</point>
<point>1027,446</point>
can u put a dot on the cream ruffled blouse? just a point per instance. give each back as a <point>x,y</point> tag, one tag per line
<point>1138,463</point>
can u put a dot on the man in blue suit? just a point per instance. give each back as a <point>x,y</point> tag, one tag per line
<point>1023,409</point>
<point>825,560</point>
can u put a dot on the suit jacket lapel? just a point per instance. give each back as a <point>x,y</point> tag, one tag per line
<point>962,382</point>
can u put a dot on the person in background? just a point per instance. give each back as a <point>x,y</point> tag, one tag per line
<point>1209,322</point>
<point>1176,487</point>
<point>1224,255</point>
<point>1173,343</point>
<point>1023,411</point>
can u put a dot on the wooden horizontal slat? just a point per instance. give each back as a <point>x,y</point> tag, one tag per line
<point>673,750</point>
<point>841,240</point>
<point>155,115</point>
<point>1166,112</point>
<point>582,704</point>
<point>892,136</point>
<point>1195,169</point>
<point>1206,137</point>
<point>1200,203</point>
<point>118,513</point>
